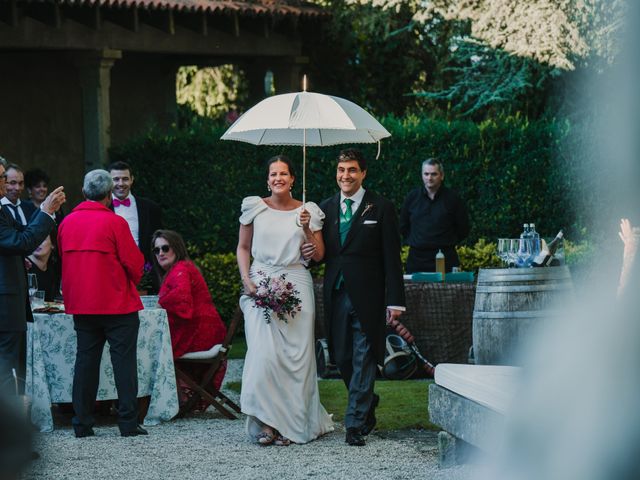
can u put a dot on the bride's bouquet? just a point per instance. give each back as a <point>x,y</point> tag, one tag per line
<point>276,295</point>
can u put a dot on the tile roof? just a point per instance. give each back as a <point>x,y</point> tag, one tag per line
<point>296,8</point>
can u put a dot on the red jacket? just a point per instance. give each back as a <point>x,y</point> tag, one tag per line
<point>101,263</point>
<point>194,322</point>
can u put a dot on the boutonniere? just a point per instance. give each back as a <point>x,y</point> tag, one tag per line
<point>367,207</point>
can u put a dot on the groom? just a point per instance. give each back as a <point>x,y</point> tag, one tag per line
<point>362,285</point>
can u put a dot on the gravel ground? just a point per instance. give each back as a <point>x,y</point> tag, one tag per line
<point>206,445</point>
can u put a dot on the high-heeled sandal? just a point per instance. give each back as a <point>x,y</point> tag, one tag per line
<point>265,438</point>
<point>282,441</point>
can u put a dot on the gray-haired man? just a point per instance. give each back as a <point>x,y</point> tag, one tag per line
<point>101,265</point>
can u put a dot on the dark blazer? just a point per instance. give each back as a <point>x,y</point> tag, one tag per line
<point>28,208</point>
<point>369,261</point>
<point>149,220</point>
<point>17,242</point>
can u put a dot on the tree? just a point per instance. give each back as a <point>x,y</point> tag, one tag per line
<point>378,57</point>
<point>211,91</point>
<point>515,50</point>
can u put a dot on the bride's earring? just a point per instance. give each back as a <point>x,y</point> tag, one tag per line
<point>268,187</point>
<point>291,186</point>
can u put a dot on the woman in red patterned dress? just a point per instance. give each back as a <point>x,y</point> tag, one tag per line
<point>193,319</point>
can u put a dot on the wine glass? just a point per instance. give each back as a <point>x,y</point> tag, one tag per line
<point>33,283</point>
<point>524,251</point>
<point>514,246</point>
<point>503,250</point>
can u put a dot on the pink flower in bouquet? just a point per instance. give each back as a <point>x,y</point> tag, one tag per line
<point>276,295</point>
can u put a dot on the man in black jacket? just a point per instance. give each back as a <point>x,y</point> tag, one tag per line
<point>14,186</point>
<point>362,285</point>
<point>433,218</point>
<point>17,241</point>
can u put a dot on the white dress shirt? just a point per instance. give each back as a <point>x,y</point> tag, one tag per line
<point>357,200</point>
<point>130,214</point>
<point>23,219</point>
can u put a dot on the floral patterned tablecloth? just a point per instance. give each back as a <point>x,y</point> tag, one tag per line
<point>51,353</point>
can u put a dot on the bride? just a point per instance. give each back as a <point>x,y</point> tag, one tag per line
<point>279,385</point>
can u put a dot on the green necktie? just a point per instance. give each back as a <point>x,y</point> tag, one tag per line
<point>345,225</point>
<point>348,213</point>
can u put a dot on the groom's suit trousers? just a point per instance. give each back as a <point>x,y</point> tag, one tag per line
<point>353,357</point>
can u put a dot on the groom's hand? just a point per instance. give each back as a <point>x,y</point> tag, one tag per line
<point>308,250</point>
<point>393,314</point>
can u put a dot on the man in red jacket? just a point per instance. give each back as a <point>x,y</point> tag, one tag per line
<point>101,265</point>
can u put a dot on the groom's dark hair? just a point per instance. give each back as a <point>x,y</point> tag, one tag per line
<point>349,154</point>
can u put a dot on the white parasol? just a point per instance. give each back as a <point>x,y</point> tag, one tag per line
<point>307,119</point>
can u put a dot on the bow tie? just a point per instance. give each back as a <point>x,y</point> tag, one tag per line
<point>125,203</point>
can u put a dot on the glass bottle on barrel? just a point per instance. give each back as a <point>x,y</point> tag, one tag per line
<point>545,257</point>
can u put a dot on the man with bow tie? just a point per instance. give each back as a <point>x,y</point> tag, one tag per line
<point>362,285</point>
<point>143,215</point>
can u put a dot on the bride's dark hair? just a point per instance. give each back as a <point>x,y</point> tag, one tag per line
<point>284,159</point>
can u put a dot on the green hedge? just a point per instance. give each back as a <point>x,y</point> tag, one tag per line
<point>508,170</point>
<point>221,271</point>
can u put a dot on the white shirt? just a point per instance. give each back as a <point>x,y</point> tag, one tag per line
<point>23,219</point>
<point>357,200</point>
<point>130,214</point>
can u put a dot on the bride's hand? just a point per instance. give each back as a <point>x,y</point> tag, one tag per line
<point>249,288</point>
<point>304,219</point>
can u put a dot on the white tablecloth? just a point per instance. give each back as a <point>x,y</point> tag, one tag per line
<point>51,354</point>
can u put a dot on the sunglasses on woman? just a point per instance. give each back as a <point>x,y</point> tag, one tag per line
<point>164,248</point>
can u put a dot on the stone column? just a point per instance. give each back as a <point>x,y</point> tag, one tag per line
<point>288,73</point>
<point>255,71</point>
<point>95,79</point>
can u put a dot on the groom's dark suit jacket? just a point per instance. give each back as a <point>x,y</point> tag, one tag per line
<point>369,259</point>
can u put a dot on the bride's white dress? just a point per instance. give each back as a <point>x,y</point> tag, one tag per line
<point>279,380</point>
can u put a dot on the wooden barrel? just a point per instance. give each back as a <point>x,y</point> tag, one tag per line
<point>510,304</point>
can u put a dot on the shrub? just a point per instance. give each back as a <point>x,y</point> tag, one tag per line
<point>220,271</point>
<point>481,255</point>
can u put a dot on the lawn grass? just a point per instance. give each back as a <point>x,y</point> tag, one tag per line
<point>238,348</point>
<point>403,404</point>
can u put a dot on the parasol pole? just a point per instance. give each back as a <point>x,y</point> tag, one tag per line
<point>304,152</point>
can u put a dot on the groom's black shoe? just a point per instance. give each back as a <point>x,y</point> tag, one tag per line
<point>135,432</point>
<point>354,437</point>
<point>370,421</point>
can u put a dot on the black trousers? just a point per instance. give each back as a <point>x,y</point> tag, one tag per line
<point>10,348</point>
<point>354,359</point>
<point>122,333</point>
